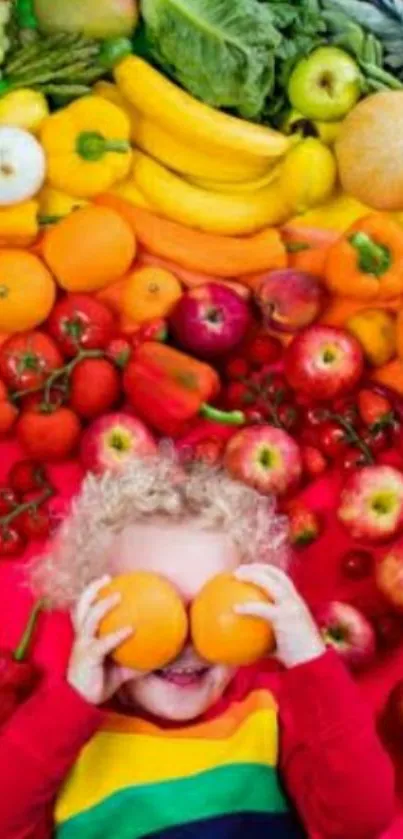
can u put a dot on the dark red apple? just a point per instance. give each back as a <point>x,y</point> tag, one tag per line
<point>264,457</point>
<point>209,320</point>
<point>389,575</point>
<point>391,721</point>
<point>348,631</point>
<point>111,440</point>
<point>357,564</point>
<point>323,362</point>
<point>289,300</point>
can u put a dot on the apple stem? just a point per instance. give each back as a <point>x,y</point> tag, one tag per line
<point>372,258</point>
<point>225,417</point>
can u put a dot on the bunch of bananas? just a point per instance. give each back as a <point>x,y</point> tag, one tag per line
<point>194,164</point>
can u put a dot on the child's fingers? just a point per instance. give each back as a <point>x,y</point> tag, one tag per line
<point>97,612</point>
<point>266,611</point>
<point>107,645</point>
<point>271,586</point>
<point>86,600</point>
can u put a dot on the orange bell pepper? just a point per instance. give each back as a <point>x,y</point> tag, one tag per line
<point>366,263</point>
<point>167,388</point>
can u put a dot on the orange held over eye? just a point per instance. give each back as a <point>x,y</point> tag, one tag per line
<point>149,604</point>
<point>219,634</point>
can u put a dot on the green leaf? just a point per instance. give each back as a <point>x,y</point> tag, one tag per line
<point>220,51</point>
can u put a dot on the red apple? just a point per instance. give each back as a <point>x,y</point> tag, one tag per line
<point>357,564</point>
<point>264,457</point>
<point>323,362</point>
<point>389,575</point>
<point>209,320</point>
<point>371,503</point>
<point>289,300</point>
<point>389,630</point>
<point>113,439</point>
<point>348,631</point>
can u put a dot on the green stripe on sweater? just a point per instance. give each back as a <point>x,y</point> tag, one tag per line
<point>138,811</point>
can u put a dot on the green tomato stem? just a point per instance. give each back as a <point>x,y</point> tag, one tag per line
<point>21,652</point>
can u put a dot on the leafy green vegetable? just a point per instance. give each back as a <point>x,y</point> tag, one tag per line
<point>222,51</point>
<point>384,19</point>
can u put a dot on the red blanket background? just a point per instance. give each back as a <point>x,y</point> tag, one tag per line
<point>316,571</point>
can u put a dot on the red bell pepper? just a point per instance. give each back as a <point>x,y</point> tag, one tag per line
<point>167,388</point>
<point>205,440</point>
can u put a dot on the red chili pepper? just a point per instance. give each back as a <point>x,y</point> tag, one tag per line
<point>18,676</point>
<point>167,388</point>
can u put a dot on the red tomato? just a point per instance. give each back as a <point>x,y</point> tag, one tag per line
<point>81,322</point>
<point>376,439</point>
<point>49,436</point>
<point>119,351</point>
<point>8,416</point>
<point>94,387</point>
<point>11,541</point>
<point>352,459</point>
<point>27,359</point>
<point>34,524</point>
<point>331,438</point>
<point>27,476</point>
<point>288,415</point>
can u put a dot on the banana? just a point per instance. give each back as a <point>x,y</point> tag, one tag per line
<point>177,155</point>
<point>241,187</point>
<point>184,158</point>
<point>185,117</point>
<point>223,213</point>
<point>129,190</point>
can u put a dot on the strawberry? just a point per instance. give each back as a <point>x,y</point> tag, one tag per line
<point>236,368</point>
<point>374,409</point>
<point>94,387</point>
<point>238,395</point>
<point>49,435</point>
<point>314,461</point>
<point>303,525</point>
<point>263,350</point>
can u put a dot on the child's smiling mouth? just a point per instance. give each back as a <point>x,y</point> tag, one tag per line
<point>183,677</point>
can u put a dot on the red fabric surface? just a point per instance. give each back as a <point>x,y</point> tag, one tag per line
<point>316,572</point>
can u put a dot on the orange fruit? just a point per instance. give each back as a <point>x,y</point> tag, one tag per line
<point>27,291</point>
<point>150,293</point>
<point>219,634</point>
<point>89,249</point>
<point>153,608</point>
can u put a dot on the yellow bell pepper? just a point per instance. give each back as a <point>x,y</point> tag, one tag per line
<point>111,92</point>
<point>55,204</point>
<point>87,145</point>
<point>19,225</point>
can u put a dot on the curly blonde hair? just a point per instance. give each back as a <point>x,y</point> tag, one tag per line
<point>157,485</point>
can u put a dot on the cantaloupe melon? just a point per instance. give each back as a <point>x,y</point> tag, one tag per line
<point>369,151</point>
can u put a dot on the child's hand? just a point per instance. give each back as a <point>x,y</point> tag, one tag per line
<point>89,673</point>
<point>297,636</point>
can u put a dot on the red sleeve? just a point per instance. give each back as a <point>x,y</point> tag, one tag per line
<point>37,749</point>
<point>333,765</point>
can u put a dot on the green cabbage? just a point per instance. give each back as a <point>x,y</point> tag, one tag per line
<point>222,51</point>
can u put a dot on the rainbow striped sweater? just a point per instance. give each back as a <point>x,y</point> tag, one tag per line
<point>216,778</point>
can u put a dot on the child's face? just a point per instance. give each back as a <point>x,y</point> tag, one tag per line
<point>187,556</point>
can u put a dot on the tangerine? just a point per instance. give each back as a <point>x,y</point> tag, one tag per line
<point>149,604</point>
<point>27,291</point>
<point>149,293</point>
<point>219,634</point>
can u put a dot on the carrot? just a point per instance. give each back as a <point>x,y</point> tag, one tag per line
<point>391,375</point>
<point>223,256</point>
<point>190,279</point>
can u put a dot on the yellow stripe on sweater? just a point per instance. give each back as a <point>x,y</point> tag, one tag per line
<point>115,761</point>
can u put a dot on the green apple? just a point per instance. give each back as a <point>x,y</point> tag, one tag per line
<point>326,85</point>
